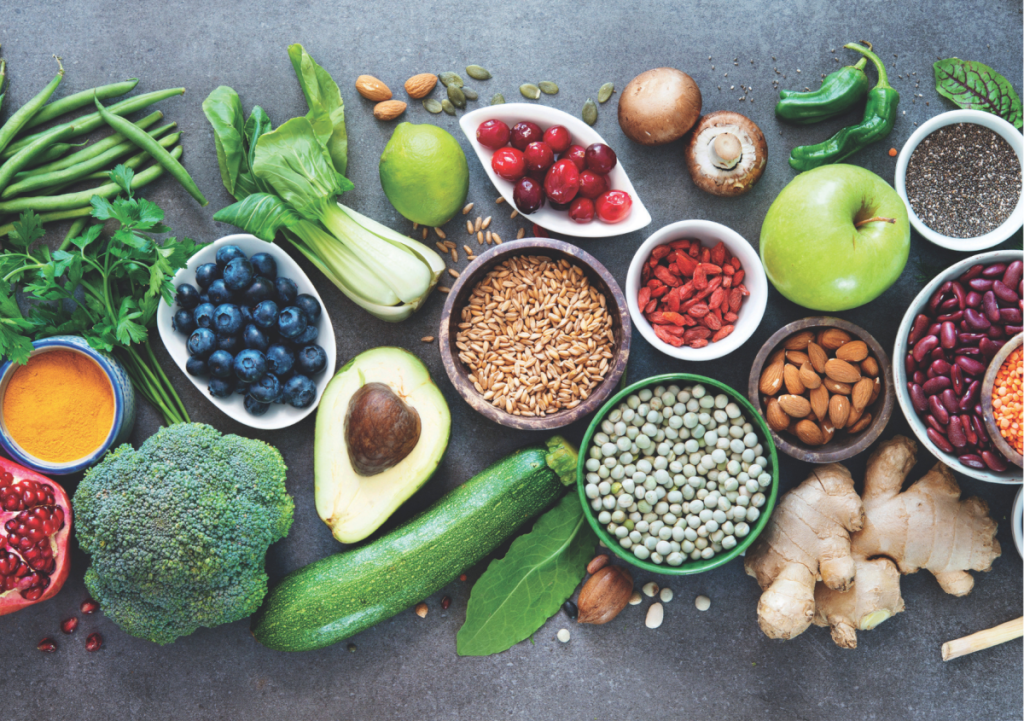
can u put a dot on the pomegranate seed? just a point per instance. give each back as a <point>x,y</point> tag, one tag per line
<point>578,155</point>
<point>509,164</point>
<point>445,603</point>
<point>581,210</point>
<point>69,625</point>
<point>592,184</point>
<point>493,134</point>
<point>557,136</point>
<point>47,645</point>
<point>562,181</point>
<point>94,642</point>
<point>528,195</point>
<point>525,133</point>
<point>462,576</point>
<point>538,156</point>
<point>600,158</point>
<point>90,606</point>
<point>613,206</point>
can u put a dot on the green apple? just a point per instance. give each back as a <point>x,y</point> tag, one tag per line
<point>835,238</point>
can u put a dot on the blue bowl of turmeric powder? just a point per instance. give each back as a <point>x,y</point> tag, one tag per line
<point>64,408</point>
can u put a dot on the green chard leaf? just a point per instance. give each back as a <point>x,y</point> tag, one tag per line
<point>975,86</point>
<point>518,593</point>
<point>326,108</point>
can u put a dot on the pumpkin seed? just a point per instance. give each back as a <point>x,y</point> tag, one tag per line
<point>457,97</point>
<point>470,94</point>
<point>529,90</point>
<point>432,106</point>
<point>589,112</point>
<point>446,105</point>
<point>605,93</point>
<point>477,73</point>
<point>547,87</point>
<point>498,99</point>
<point>448,79</point>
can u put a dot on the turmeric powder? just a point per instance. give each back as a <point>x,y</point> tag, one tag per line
<point>59,407</point>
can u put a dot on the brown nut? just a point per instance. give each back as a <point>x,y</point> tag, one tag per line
<point>808,377</point>
<point>797,357</point>
<point>836,387</point>
<point>855,414</point>
<point>861,395</point>
<point>818,357</point>
<point>372,89</point>
<point>838,411</point>
<point>604,595</point>
<point>863,423</point>
<point>819,401</point>
<point>795,406</point>
<point>419,86</point>
<point>799,341</point>
<point>791,375</point>
<point>833,338</point>
<point>778,356</point>
<point>777,419</point>
<point>875,392</point>
<point>388,110</point>
<point>421,610</point>
<point>853,352</point>
<point>771,379</point>
<point>808,432</point>
<point>869,366</point>
<point>598,563</point>
<point>827,431</point>
<point>841,371</point>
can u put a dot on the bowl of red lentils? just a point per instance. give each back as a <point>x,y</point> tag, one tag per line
<point>1002,394</point>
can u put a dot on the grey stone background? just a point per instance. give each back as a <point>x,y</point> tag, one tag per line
<point>702,665</point>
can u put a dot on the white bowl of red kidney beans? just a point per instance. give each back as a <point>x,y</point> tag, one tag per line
<point>953,329</point>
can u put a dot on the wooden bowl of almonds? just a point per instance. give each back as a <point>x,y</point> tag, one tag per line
<point>825,387</point>
<point>535,334</point>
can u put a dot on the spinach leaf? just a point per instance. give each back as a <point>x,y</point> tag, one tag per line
<point>518,593</point>
<point>975,86</point>
<point>326,108</point>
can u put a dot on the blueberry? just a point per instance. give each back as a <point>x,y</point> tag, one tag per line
<point>202,342</point>
<point>265,265</point>
<point>206,274</point>
<point>311,360</point>
<point>196,367</point>
<point>187,296</point>
<point>260,290</point>
<point>254,407</point>
<point>219,293</point>
<point>306,337</point>
<point>265,315</point>
<point>184,321</point>
<point>267,389</point>
<point>246,312</point>
<point>232,343</point>
<point>221,387</point>
<point>204,315</point>
<point>204,298</point>
<point>250,365</point>
<point>299,391</point>
<point>280,360</point>
<point>227,253</point>
<point>253,337</point>
<point>286,291</point>
<point>227,319</point>
<point>220,363</point>
<point>238,274</point>
<point>291,322</point>
<point>241,389</point>
<point>309,306</point>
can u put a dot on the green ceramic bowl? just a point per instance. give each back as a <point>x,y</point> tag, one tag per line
<point>688,567</point>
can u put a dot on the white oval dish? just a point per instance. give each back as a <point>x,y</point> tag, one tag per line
<point>1017,524</point>
<point>752,310</point>
<point>994,123</point>
<point>582,134</point>
<point>279,416</point>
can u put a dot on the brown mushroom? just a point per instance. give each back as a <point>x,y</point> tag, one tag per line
<point>727,153</point>
<point>659,106</point>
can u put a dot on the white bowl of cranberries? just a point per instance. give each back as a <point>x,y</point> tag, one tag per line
<point>555,169</point>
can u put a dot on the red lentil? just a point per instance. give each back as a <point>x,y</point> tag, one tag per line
<point>1008,399</point>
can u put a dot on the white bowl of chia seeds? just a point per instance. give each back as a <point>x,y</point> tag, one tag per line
<point>960,182</point>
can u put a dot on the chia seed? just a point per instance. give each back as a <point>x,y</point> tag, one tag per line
<point>963,180</point>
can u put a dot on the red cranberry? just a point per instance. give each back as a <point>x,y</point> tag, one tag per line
<point>528,195</point>
<point>539,156</point>
<point>577,154</point>
<point>525,133</point>
<point>539,232</point>
<point>509,164</point>
<point>559,206</point>
<point>582,210</point>
<point>613,206</point>
<point>592,184</point>
<point>562,181</point>
<point>600,158</point>
<point>557,136</point>
<point>493,134</point>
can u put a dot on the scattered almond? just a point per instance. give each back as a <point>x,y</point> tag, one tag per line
<point>861,395</point>
<point>795,406</point>
<point>791,377</point>
<point>373,89</point>
<point>833,338</point>
<point>853,352</point>
<point>421,610</point>
<point>819,401</point>
<point>388,110</point>
<point>869,367</point>
<point>419,86</point>
<point>808,377</point>
<point>777,418</point>
<point>771,379</point>
<point>799,340</point>
<point>817,356</point>
<point>841,371</point>
<point>808,432</point>
<point>838,411</point>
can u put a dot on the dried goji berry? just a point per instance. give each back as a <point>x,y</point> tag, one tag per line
<point>718,253</point>
<point>689,320</point>
<point>715,282</point>
<point>736,263</point>
<point>670,317</point>
<point>685,307</point>
<point>735,299</point>
<point>671,300</point>
<point>673,330</point>
<point>738,276</point>
<point>674,269</point>
<point>711,268</point>
<point>743,290</point>
<point>717,297</point>
<point>666,338</point>
<point>694,250</point>
<point>728,269</point>
<point>645,275</point>
<point>712,321</point>
<point>680,244</point>
<point>699,343</point>
<point>651,307</point>
<point>727,280</point>
<point>659,291</point>
<point>643,297</point>
<point>722,333</point>
<point>699,310</point>
<point>666,277</point>
<point>660,252</point>
<point>695,333</point>
<point>654,283</point>
<point>686,264</point>
<point>705,255</point>
<point>685,290</point>
<point>729,317</point>
<point>700,278</point>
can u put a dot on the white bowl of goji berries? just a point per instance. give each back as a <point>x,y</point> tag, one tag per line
<point>695,308</point>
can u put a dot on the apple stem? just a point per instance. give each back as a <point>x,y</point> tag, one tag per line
<point>876,219</point>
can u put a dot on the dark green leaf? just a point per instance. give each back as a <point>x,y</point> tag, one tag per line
<point>150,215</point>
<point>294,163</point>
<point>122,175</point>
<point>261,214</point>
<point>976,86</point>
<point>128,330</point>
<point>224,111</point>
<point>89,236</point>
<point>27,230</point>
<point>257,124</point>
<point>326,108</point>
<point>518,593</point>
<point>14,345</point>
<point>62,260</point>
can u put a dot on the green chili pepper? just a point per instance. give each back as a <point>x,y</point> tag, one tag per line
<point>838,92</point>
<point>879,117</point>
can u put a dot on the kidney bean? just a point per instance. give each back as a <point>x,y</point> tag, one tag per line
<point>994,461</point>
<point>973,299</point>
<point>956,374</point>
<point>935,385</point>
<point>955,317</point>
<point>925,346</point>
<point>990,347</point>
<point>934,329</point>
<point>973,272</point>
<point>967,400</point>
<point>971,366</point>
<point>917,397</point>
<point>949,400</point>
<point>920,377</point>
<point>968,350</point>
<point>970,338</point>
<point>990,306</point>
<point>939,367</point>
<point>921,323</point>
<point>1013,274</point>
<point>960,294</point>
<point>939,440</point>
<point>949,304</point>
<point>930,373</point>
<point>968,426</point>
<point>938,411</point>
<point>996,332</point>
<point>979,428</point>
<point>1012,330</point>
<point>909,364</point>
<point>996,270</point>
<point>955,433</point>
<point>933,422</point>
<point>947,335</point>
<point>972,460</point>
<point>1004,292</point>
<point>937,354</point>
<point>938,296</point>
<point>980,285</point>
<point>1010,315</point>
<point>975,320</point>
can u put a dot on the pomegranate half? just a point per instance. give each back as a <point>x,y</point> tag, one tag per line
<point>35,525</point>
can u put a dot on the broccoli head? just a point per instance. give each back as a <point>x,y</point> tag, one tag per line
<point>177,530</point>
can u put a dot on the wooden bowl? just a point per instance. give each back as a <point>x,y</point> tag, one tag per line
<point>843,446</point>
<point>988,412</point>
<point>459,295</point>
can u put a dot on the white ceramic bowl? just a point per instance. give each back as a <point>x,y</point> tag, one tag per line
<point>279,416</point>
<point>582,134</point>
<point>709,233</point>
<point>899,368</point>
<point>993,122</point>
<point>1017,524</point>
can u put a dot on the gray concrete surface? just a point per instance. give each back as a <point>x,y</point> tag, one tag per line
<point>701,665</point>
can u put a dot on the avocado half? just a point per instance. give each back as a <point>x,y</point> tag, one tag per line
<point>381,429</point>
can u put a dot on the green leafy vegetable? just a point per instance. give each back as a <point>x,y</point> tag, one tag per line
<point>326,108</point>
<point>976,86</point>
<point>518,593</point>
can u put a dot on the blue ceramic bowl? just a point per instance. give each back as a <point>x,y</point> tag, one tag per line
<point>124,406</point>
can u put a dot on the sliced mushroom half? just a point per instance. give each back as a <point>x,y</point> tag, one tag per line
<point>727,153</point>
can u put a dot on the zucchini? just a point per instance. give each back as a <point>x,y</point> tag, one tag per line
<point>346,593</point>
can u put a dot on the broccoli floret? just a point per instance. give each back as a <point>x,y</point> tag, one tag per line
<point>178,529</point>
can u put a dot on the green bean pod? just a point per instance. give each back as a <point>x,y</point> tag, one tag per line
<point>25,113</point>
<point>51,217</point>
<point>19,161</point>
<point>3,74</point>
<point>51,154</point>
<point>80,100</point>
<point>136,160</point>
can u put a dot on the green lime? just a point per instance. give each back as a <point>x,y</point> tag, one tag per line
<point>424,174</point>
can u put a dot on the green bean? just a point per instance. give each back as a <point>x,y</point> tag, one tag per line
<point>88,123</point>
<point>19,161</point>
<point>52,153</point>
<point>26,111</point>
<point>50,217</point>
<point>134,161</point>
<point>75,172</point>
<point>73,232</point>
<point>159,152</point>
<point>47,203</point>
<point>3,74</point>
<point>80,100</point>
<point>92,151</point>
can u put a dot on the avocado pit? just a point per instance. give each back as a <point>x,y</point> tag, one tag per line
<point>380,429</point>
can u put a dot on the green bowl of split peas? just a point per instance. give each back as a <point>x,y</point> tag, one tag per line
<point>678,474</point>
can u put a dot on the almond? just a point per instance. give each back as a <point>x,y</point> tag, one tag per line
<point>836,387</point>
<point>808,377</point>
<point>841,371</point>
<point>797,357</point>
<point>819,401</point>
<point>827,431</point>
<point>869,367</point>
<point>388,110</point>
<point>778,356</point>
<point>778,421</point>
<point>795,406</point>
<point>809,432</point>
<point>854,352</point>
<point>833,338</point>
<point>771,379</point>
<point>792,379</point>
<point>855,414</point>
<point>875,392</point>
<point>863,423</point>
<point>861,395</point>
<point>372,89</point>
<point>799,340</point>
<point>818,357</point>
<point>838,411</point>
<point>419,86</point>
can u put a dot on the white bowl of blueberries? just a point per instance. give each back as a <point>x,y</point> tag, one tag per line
<point>248,328</point>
